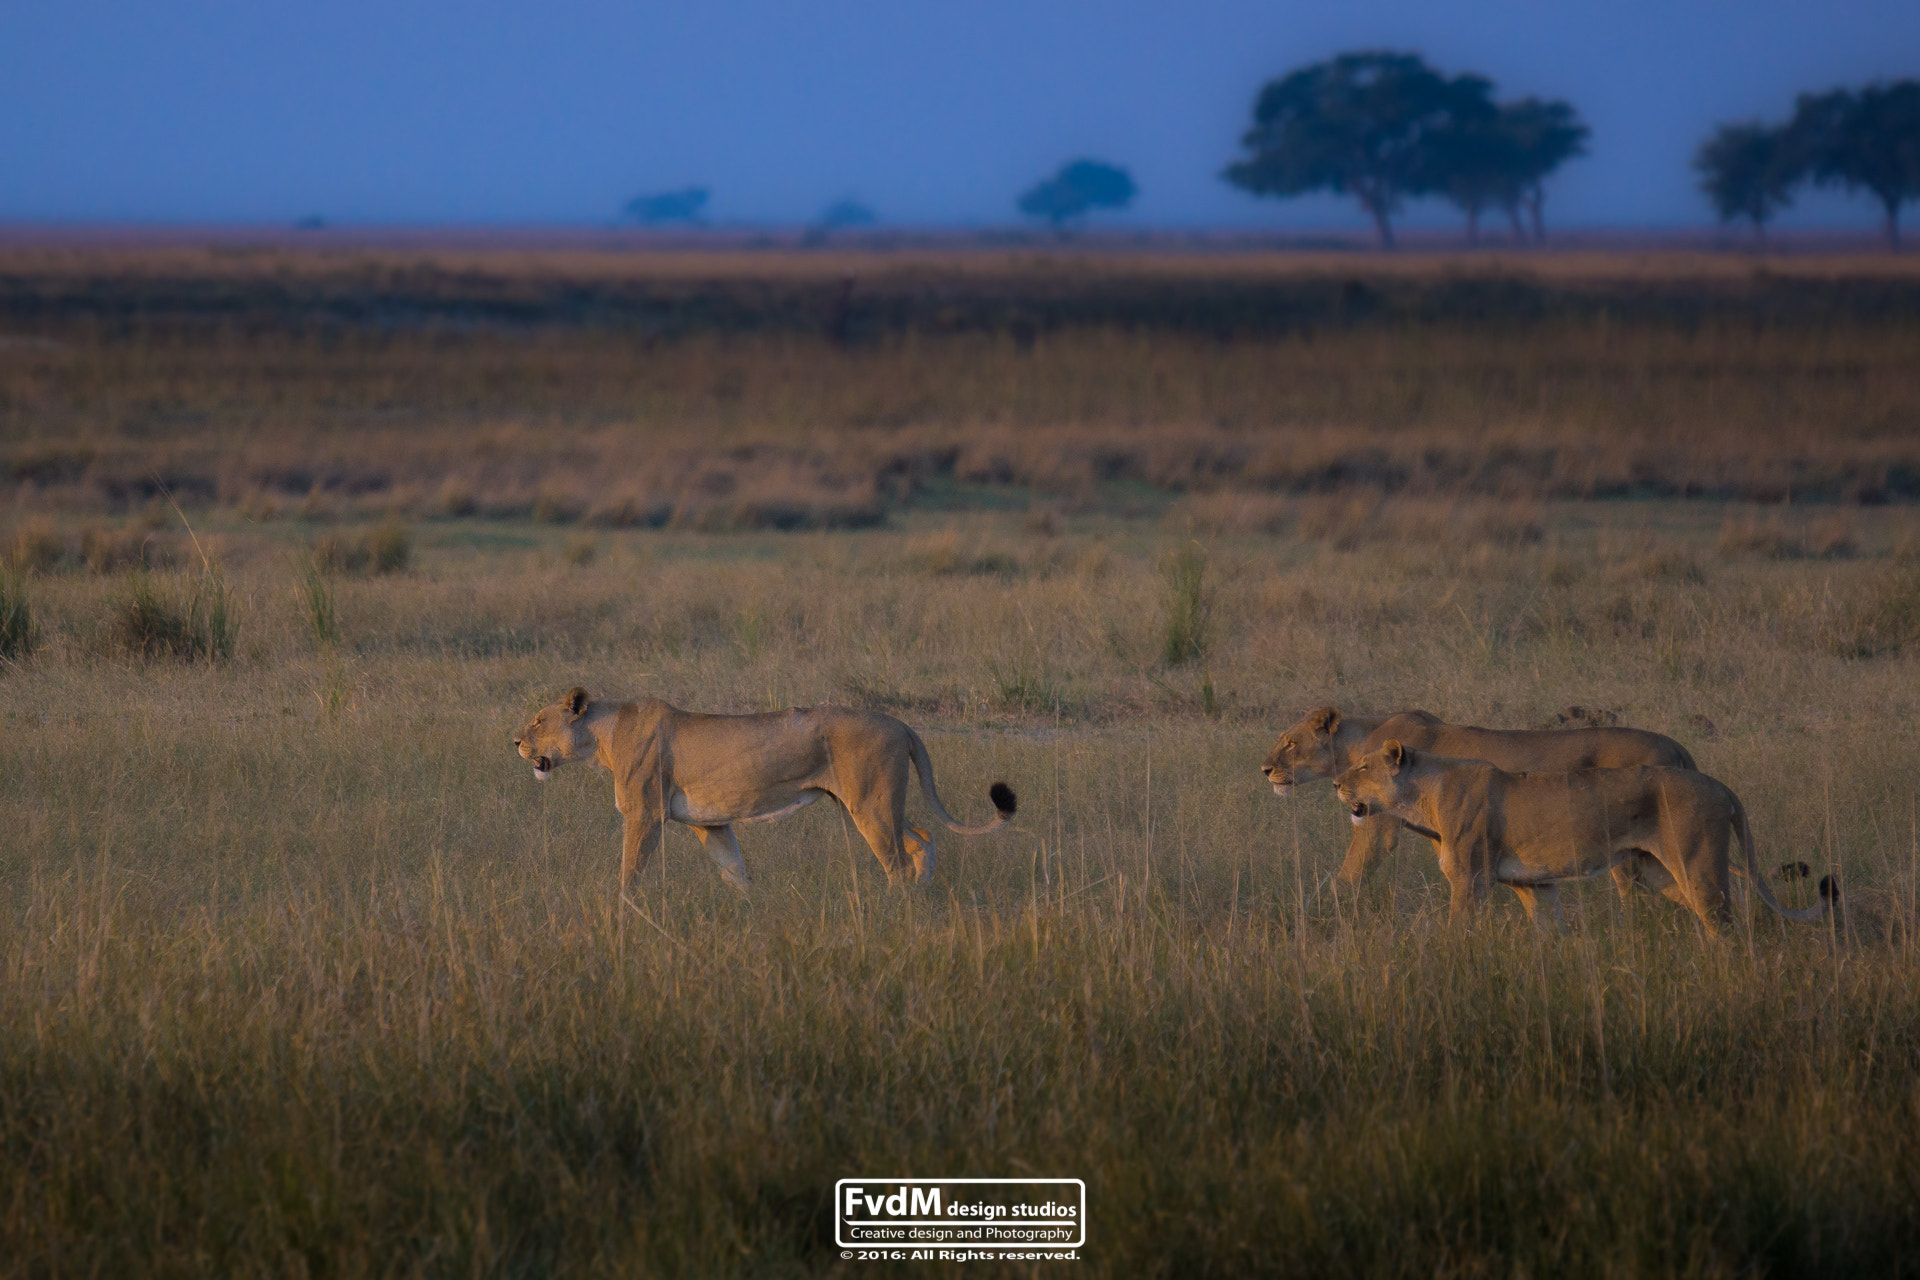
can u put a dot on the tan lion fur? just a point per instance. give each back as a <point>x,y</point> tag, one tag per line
<point>1530,831</point>
<point>1326,744</point>
<point>713,772</point>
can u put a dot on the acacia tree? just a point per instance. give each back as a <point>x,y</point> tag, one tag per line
<point>1361,124</point>
<point>1748,171</point>
<point>1542,137</point>
<point>1076,189</point>
<point>1868,140</point>
<point>1472,157</point>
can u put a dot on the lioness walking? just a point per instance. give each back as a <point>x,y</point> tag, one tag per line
<point>713,772</point>
<point>1326,743</point>
<point>1530,831</point>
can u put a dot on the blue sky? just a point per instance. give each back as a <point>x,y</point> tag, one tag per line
<point>407,111</point>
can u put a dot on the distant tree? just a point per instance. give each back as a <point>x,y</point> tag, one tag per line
<point>1362,124</point>
<point>1076,189</point>
<point>842,214</point>
<point>1470,157</point>
<point>1748,171</point>
<point>668,206</point>
<point>1868,140</point>
<point>1543,136</point>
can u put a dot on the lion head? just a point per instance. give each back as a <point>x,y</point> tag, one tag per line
<point>1379,782</point>
<point>1304,752</point>
<point>557,734</point>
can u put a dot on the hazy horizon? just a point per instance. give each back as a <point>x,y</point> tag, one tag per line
<point>423,114</point>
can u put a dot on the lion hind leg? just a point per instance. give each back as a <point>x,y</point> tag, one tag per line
<point>921,849</point>
<point>724,848</point>
<point>886,840</point>
<point>1542,902</point>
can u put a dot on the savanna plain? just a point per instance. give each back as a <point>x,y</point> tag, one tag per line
<point>303,973</point>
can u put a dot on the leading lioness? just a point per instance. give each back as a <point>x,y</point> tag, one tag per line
<point>713,771</point>
<point>1326,743</point>
<point>1529,831</point>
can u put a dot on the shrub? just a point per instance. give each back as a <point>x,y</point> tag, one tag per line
<point>390,546</point>
<point>110,550</point>
<point>579,552</point>
<point>201,622</point>
<point>1189,603</point>
<point>1883,616</point>
<point>386,548</point>
<point>35,548</point>
<point>16,616</point>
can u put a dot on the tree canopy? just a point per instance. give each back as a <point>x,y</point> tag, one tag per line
<point>1386,127</point>
<point>1076,189</point>
<point>1867,140</point>
<point>668,206</point>
<point>1748,171</point>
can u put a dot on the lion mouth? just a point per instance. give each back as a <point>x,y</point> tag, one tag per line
<point>542,767</point>
<point>1359,812</point>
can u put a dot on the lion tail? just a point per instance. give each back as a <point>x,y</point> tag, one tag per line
<point>1829,887</point>
<point>1000,793</point>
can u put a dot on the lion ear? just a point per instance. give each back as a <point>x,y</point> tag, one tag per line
<point>1324,719</point>
<point>1398,754</point>
<point>575,702</point>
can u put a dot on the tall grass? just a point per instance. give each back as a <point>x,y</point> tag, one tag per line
<point>316,595</point>
<point>191,616</point>
<point>1189,605</point>
<point>17,633</point>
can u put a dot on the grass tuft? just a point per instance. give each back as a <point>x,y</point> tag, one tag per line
<point>1188,603</point>
<point>17,632</point>
<point>192,620</point>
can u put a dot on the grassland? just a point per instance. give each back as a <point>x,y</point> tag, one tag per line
<point>301,972</point>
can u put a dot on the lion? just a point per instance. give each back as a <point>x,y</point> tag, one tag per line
<point>1326,743</point>
<point>1531,831</point>
<point>715,772</point>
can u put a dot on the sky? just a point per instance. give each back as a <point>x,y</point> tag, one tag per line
<point>490,112</point>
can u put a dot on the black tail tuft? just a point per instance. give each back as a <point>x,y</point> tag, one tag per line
<point>1829,890</point>
<point>1003,799</point>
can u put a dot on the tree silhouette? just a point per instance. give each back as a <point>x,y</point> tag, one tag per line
<point>1868,140</point>
<point>842,214</point>
<point>1544,136</point>
<point>1361,124</point>
<point>1076,189</point>
<point>1472,158</point>
<point>668,206</point>
<point>1748,171</point>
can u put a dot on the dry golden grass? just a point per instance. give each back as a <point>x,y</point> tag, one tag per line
<point>301,972</point>
<point>720,391</point>
<point>304,972</point>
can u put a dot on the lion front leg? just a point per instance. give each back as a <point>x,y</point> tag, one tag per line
<point>1470,881</point>
<point>637,848</point>
<point>1372,838</point>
